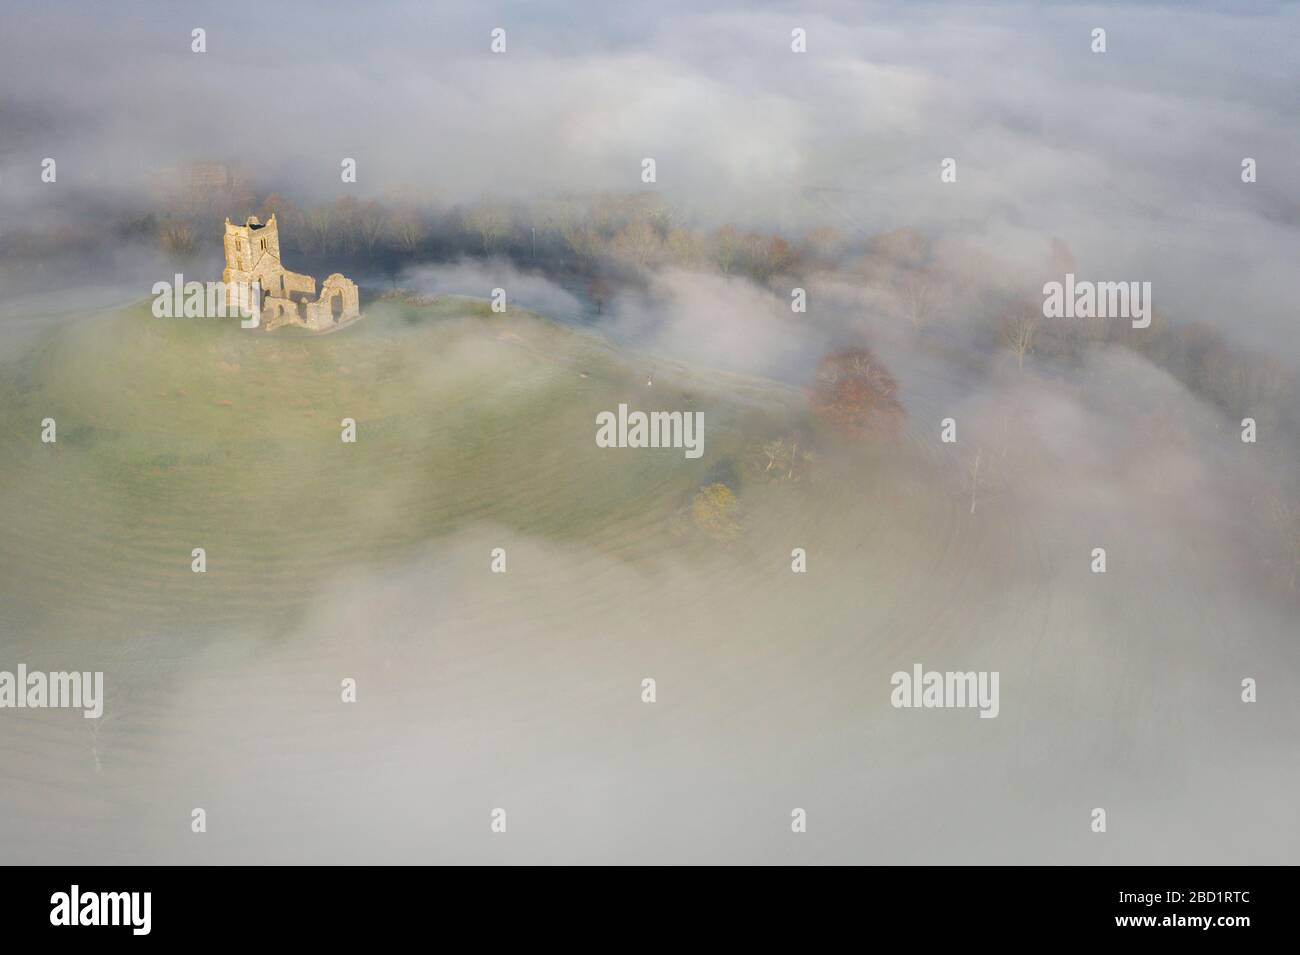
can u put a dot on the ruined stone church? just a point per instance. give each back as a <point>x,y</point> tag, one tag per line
<point>288,298</point>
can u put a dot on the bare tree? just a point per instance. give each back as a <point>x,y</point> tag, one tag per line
<point>409,230</point>
<point>775,454</point>
<point>285,212</point>
<point>768,255</point>
<point>638,242</point>
<point>726,247</point>
<point>979,478</point>
<point>93,727</point>
<point>902,247</point>
<point>347,224</point>
<point>1018,332</point>
<point>684,248</point>
<point>318,225</point>
<point>784,460</point>
<point>177,237</point>
<point>492,223</point>
<point>824,245</point>
<point>917,289</point>
<point>579,236</point>
<point>663,217</point>
<point>370,225</point>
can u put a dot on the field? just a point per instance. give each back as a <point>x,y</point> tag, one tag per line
<point>176,434</point>
<point>328,560</point>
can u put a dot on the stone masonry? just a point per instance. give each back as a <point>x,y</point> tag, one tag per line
<point>288,298</point>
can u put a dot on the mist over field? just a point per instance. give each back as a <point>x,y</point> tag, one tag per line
<point>776,172</point>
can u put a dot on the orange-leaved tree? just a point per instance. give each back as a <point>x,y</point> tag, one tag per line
<point>854,391</point>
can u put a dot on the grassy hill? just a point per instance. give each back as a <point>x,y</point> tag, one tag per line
<point>183,433</point>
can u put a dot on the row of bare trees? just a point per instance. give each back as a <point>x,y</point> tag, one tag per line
<point>588,234</point>
<point>1233,379</point>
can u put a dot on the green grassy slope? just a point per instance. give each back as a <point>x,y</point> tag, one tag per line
<point>175,434</point>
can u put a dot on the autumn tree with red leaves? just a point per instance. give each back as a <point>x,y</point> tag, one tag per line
<point>854,391</point>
